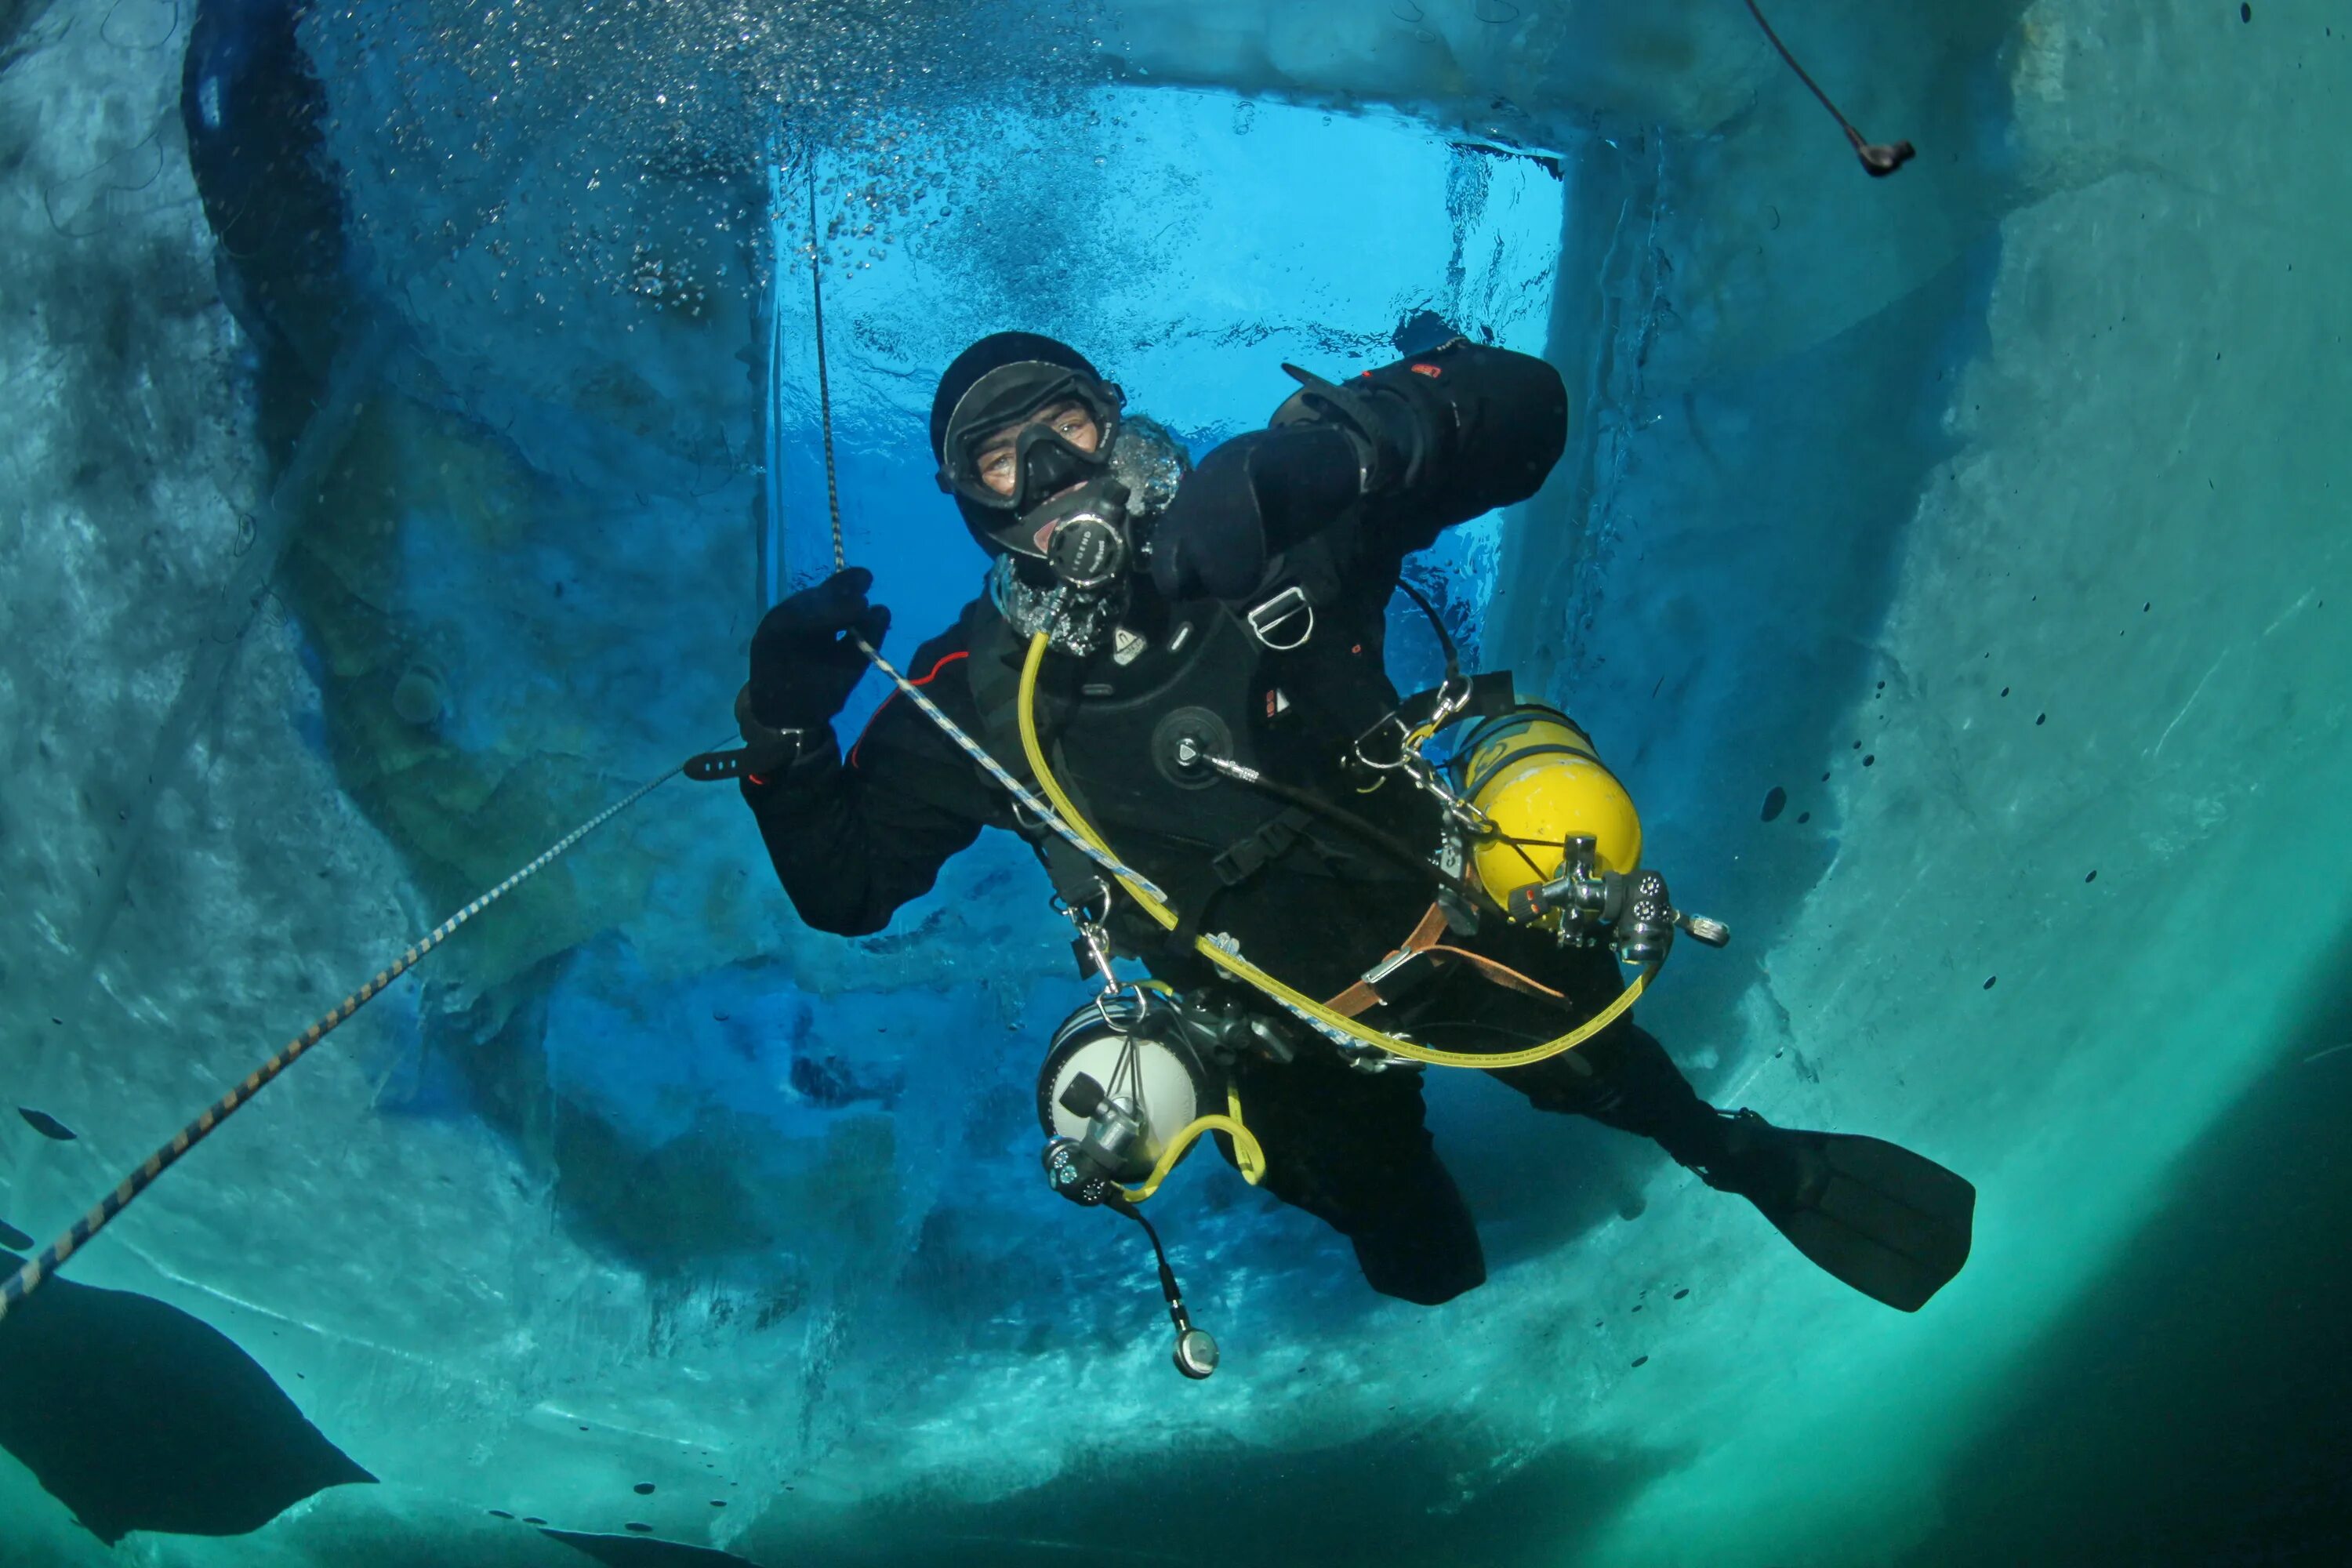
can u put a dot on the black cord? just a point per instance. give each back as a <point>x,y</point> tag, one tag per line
<point>1167,1286</point>
<point>1379,837</point>
<point>1878,158</point>
<point>1444,638</point>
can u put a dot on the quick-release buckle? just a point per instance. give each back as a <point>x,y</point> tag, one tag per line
<point>1266,617</point>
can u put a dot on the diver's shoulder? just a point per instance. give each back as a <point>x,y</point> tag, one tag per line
<point>973,623</point>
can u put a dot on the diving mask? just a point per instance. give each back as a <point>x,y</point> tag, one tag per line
<point>997,424</point>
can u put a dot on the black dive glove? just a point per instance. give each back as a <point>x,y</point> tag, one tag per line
<point>1246,503</point>
<point>1392,422</point>
<point>803,665</point>
<point>1442,435</point>
<point>1423,444</point>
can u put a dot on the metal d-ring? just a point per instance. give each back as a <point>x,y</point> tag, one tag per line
<point>1102,1010</point>
<point>1402,760</point>
<point>1280,610</point>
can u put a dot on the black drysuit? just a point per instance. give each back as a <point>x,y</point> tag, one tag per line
<point>853,838</point>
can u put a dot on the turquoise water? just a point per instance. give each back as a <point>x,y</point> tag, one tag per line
<point>414,407</point>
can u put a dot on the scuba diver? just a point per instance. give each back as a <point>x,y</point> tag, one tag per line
<point>1212,689</point>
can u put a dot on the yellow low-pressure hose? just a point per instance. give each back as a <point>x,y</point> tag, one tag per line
<point>1247,1154</point>
<point>1247,1151</point>
<point>1251,975</point>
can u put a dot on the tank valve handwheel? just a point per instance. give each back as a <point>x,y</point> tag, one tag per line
<point>1583,898</point>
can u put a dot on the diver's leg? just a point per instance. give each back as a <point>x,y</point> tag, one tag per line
<point>1892,1224</point>
<point>1352,1149</point>
<point>1621,1077</point>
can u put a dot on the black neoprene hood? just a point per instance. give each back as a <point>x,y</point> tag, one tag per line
<point>1000,381</point>
<point>991,352</point>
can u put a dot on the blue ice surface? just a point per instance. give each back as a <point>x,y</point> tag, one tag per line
<point>1792,526</point>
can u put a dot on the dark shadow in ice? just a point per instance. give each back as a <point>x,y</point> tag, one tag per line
<point>138,1417</point>
<point>644,1551</point>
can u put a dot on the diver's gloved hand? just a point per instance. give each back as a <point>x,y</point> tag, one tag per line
<point>1248,502</point>
<point>1445,435</point>
<point>803,665</point>
<point>1393,425</point>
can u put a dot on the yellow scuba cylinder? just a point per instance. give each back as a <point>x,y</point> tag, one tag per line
<point>1536,782</point>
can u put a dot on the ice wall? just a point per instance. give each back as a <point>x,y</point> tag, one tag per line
<point>646,1185</point>
<point>2092,389</point>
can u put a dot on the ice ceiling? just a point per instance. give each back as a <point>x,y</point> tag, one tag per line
<point>1986,513</point>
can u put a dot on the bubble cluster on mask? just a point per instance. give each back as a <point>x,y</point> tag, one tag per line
<point>1149,461</point>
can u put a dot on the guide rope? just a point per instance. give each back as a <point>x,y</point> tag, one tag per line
<point>823,383</point>
<point>27,1279</point>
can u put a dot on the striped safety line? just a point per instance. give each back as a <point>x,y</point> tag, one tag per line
<point>996,770</point>
<point>26,1280</point>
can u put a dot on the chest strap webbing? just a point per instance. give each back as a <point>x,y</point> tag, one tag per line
<point>1365,994</point>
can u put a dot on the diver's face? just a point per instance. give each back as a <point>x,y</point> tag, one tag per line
<point>1068,420</point>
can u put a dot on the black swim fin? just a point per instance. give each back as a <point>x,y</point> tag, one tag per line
<point>1894,1225</point>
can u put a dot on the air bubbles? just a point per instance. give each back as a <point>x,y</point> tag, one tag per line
<point>420,695</point>
<point>629,123</point>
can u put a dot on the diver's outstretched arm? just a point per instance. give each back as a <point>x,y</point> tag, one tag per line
<point>1406,450</point>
